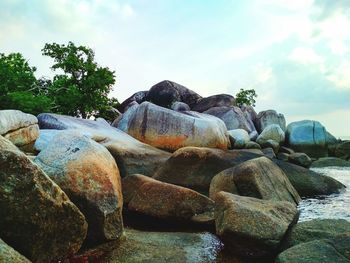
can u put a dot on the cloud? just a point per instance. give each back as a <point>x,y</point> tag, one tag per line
<point>304,55</point>
<point>340,76</point>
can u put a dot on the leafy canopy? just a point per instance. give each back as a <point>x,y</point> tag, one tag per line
<point>246,97</point>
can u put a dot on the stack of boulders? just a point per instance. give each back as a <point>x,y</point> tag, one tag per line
<point>171,156</point>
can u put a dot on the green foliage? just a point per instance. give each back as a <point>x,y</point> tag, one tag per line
<point>246,97</point>
<point>83,87</point>
<point>109,112</point>
<point>19,88</point>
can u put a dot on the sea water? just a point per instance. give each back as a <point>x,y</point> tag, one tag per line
<point>335,206</point>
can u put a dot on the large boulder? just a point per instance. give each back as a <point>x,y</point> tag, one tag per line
<point>250,115</point>
<point>131,155</point>
<point>164,201</point>
<point>309,183</point>
<point>9,255</point>
<point>252,227</point>
<point>316,229</point>
<point>239,138</point>
<point>308,137</point>
<point>300,159</point>
<point>342,149</point>
<point>20,128</point>
<point>180,106</point>
<point>271,132</point>
<point>194,167</point>
<point>137,97</point>
<point>171,130</point>
<point>259,178</point>
<point>233,117</point>
<point>166,92</point>
<point>36,216</point>
<point>268,117</point>
<point>221,100</point>
<point>88,174</point>
<point>330,161</point>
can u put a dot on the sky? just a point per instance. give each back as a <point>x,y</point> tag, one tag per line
<point>295,54</point>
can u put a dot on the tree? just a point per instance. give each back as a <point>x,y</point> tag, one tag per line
<point>83,87</point>
<point>19,88</point>
<point>246,97</point>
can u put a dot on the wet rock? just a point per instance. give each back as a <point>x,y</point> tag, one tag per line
<point>250,226</point>
<point>308,137</point>
<point>300,159</point>
<point>36,216</point>
<point>88,174</point>
<point>221,100</point>
<point>9,255</point>
<point>271,132</point>
<point>239,138</point>
<point>18,127</point>
<point>137,97</point>
<point>309,183</point>
<point>164,201</point>
<point>330,161</point>
<point>194,167</point>
<point>259,178</point>
<point>170,130</point>
<point>180,106</point>
<point>268,117</point>
<point>131,155</point>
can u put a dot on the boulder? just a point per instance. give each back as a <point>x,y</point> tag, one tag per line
<point>180,106</point>
<point>232,117</point>
<point>330,161</point>
<point>316,229</point>
<point>9,255</point>
<point>342,149</point>
<point>271,144</point>
<point>259,178</point>
<point>287,150</point>
<point>171,130</point>
<point>252,227</point>
<point>150,197</point>
<point>239,138</point>
<point>36,216</point>
<point>252,145</point>
<point>318,251</point>
<point>194,167</point>
<point>309,183</point>
<point>308,137</point>
<point>283,156</point>
<point>18,127</point>
<point>123,121</point>
<point>300,159</point>
<point>221,100</point>
<point>166,92</point>
<point>131,155</point>
<point>88,174</point>
<point>269,152</point>
<point>271,132</point>
<point>330,139</point>
<point>268,117</point>
<point>250,115</point>
<point>137,97</point>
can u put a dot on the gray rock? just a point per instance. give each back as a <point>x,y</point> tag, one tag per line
<point>239,138</point>
<point>308,137</point>
<point>137,97</point>
<point>287,150</point>
<point>180,106</point>
<point>250,115</point>
<point>342,149</point>
<point>300,159</point>
<point>88,174</point>
<point>252,145</point>
<point>269,152</point>
<point>330,161</point>
<point>221,100</point>
<point>271,132</point>
<point>283,156</point>
<point>268,117</point>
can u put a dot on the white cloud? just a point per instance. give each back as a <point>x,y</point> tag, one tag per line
<point>338,47</point>
<point>340,76</point>
<point>305,56</point>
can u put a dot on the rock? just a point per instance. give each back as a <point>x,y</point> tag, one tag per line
<point>194,167</point>
<point>239,138</point>
<point>259,178</point>
<point>36,216</point>
<point>171,130</point>
<point>9,255</point>
<point>283,156</point>
<point>342,149</point>
<point>308,137</point>
<point>123,121</point>
<point>330,161</point>
<point>221,100</point>
<point>167,92</point>
<point>318,251</point>
<point>271,144</point>
<point>180,106</point>
<point>316,229</point>
<point>271,132</point>
<point>252,145</point>
<point>164,201</point>
<point>232,117</point>
<point>88,174</point>
<point>18,127</point>
<point>300,159</point>
<point>253,135</point>
<point>269,152</point>
<point>137,97</point>
<point>287,150</point>
<point>131,155</point>
<point>309,183</point>
<point>330,139</point>
<point>159,247</point>
<point>250,115</point>
<point>252,227</point>
<point>268,117</point>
